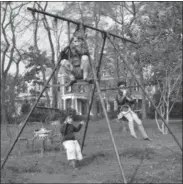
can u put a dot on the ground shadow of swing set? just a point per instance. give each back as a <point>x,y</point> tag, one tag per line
<point>105,35</point>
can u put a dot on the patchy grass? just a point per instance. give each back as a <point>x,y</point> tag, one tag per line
<point>159,161</point>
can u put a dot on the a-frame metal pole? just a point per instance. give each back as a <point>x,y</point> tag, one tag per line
<point>146,95</point>
<point>106,117</point>
<point>26,120</point>
<point>93,92</point>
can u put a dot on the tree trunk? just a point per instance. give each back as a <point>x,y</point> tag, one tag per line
<point>167,116</point>
<point>46,92</point>
<point>141,80</point>
<point>144,115</point>
<point>3,108</point>
<point>54,92</point>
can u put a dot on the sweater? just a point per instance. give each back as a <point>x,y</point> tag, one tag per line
<point>124,99</point>
<point>67,131</point>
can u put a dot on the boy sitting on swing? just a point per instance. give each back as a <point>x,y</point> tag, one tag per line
<point>125,103</point>
<point>73,149</point>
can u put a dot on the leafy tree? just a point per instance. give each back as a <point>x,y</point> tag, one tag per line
<point>37,62</point>
<point>160,47</point>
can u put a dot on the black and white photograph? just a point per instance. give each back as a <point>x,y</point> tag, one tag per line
<point>91,91</point>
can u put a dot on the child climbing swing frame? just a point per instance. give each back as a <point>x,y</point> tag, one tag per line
<point>105,35</point>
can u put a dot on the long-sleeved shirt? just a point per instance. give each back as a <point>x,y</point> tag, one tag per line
<point>67,131</point>
<point>124,99</point>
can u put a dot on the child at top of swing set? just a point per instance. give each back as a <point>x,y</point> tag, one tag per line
<point>71,145</point>
<point>77,66</point>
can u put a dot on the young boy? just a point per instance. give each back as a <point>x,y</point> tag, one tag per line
<point>77,66</point>
<point>78,69</point>
<point>71,145</point>
<point>125,102</point>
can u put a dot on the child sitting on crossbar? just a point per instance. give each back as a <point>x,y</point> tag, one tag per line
<point>71,145</point>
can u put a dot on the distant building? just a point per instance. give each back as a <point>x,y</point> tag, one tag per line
<point>78,96</point>
<point>75,97</point>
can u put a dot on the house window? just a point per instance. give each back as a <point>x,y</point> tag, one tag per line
<point>103,73</point>
<point>68,89</point>
<point>81,89</point>
<point>136,88</point>
<point>58,87</point>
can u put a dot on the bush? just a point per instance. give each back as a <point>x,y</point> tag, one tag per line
<point>151,112</point>
<point>176,111</point>
<point>38,115</point>
<point>25,108</point>
<point>71,111</point>
<point>112,115</point>
<point>61,115</point>
<point>80,117</point>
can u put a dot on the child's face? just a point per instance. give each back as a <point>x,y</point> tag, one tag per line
<point>122,88</point>
<point>69,120</point>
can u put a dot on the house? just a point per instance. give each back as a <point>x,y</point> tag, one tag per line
<point>78,96</point>
<point>75,97</point>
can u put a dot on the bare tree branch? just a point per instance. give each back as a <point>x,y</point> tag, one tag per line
<point>5,37</point>
<point>47,27</point>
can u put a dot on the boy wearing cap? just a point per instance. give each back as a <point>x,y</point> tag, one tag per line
<point>69,142</point>
<point>125,103</point>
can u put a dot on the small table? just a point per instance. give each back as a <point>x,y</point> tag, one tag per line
<point>42,134</point>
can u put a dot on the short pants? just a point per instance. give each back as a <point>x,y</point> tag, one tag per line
<point>73,150</point>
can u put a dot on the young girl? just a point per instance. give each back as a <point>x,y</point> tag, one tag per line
<point>71,145</point>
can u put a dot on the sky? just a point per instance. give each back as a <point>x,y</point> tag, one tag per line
<point>26,39</point>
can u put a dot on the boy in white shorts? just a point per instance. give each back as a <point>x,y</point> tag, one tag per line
<point>73,149</point>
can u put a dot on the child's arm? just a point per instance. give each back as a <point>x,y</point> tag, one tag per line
<point>78,128</point>
<point>129,97</point>
<point>120,98</point>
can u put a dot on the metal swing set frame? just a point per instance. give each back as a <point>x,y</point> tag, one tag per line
<point>105,35</point>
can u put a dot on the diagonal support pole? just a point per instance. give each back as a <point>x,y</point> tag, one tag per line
<point>107,118</point>
<point>26,120</point>
<point>146,94</point>
<point>93,92</point>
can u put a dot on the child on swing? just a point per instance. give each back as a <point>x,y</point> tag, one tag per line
<point>73,149</point>
<point>77,67</point>
<point>125,103</point>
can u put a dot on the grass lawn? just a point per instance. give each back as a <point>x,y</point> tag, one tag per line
<point>159,161</point>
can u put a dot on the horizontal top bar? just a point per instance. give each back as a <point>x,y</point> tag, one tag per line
<point>77,23</point>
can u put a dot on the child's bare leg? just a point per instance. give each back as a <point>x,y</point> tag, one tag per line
<point>124,126</point>
<point>67,70</point>
<point>73,163</point>
<point>140,125</point>
<point>85,65</point>
<point>129,117</point>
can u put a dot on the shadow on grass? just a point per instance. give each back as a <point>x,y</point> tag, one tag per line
<point>30,168</point>
<point>137,153</point>
<point>97,158</point>
<point>141,154</point>
<point>132,178</point>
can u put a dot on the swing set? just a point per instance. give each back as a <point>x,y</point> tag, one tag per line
<point>105,35</point>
